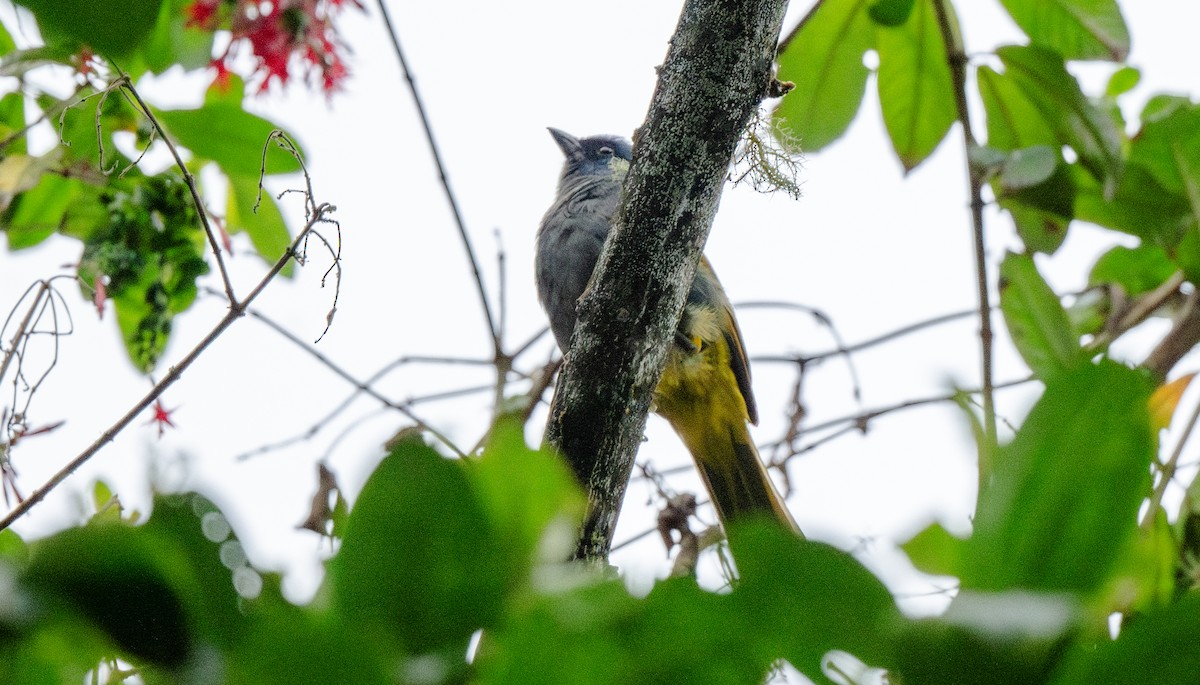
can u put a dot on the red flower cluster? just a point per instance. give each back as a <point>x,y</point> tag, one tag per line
<point>277,31</point>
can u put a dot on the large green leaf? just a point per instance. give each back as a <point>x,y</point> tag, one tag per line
<point>986,639</point>
<point>1043,78</point>
<point>1063,499</point>
<point>1159,647</point>
<point>420,564</point>
<point>230,136</point>
<point>915,90</point>
<point>823,57</point>
<point>583,633</point>
<point>288,645</point>
<point>204,537</point>
<point>531,497</point>
<point>112,28</point>
<point>128,583</point>
<point>1036,319</point>
<point>807,598</point>
<point>1075,29</point>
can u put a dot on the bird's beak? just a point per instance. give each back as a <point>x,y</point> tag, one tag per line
<point>568,143</point>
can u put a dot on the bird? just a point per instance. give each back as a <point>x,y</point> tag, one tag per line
<point>704,392</point>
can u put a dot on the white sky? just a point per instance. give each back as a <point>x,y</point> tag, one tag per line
<point>873,250</point>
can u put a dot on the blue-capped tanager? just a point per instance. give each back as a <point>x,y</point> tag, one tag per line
<point>705,388</point>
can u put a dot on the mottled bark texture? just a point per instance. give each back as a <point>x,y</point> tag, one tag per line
<point>717,71</point>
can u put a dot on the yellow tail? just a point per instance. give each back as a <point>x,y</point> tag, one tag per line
<point>737,480</point>
<point>701,395</point>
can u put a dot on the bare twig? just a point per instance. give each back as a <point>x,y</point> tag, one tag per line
<point>46,298</point>
<point>236,310</point>
<point>870,342</point>
<point>445,179</point>
<point>823,319</point>
<point>1166,472</point>
<point>190,180</point>
<point>1180,340</point>
<point>359,386</point>
<point>957,59</point>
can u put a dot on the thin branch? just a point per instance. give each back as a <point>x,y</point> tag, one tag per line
<point>861,419</point>
<point>190,180</point>
<point>860,422</point>
<point>821,318</point>
<point>42,287</point>
<point>879,339</point>
<point>1166,473</point>
<point>394,35</point>
<point>957,60</point>
<point>357,384</point>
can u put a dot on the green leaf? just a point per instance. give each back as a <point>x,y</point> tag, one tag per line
<point>1122,81</point>
<point>1076,29</point>
<point>150,250</point>
<point>1043,78</point>
<point>13,548</point>
<point>263,224</point>
<point>934,550</point>
<point>1040,230</point>
<point>419,559</point>
<point>1013,120</point>
<point>808,598</point>
<point>915,90</point>
<point>6,42</point>
<point>823,57</point>
<point>12,120</point>
<point>891,12</point>
<point>1037,188</point>
<point>286,645</point>
<point>217,561</point>
<point>530,496</point>
<point>1136,269</point>
<point>1158,647</point>
<point>124,581</point>
<point>230,136</point>
<point>1063,499</point>
<point>1186,254</point>
<point>1007,638</point>
<point>1036,319</point>
<point>35,214</point>
<point>173,43</point>
<point>112,28</point>
<point>1027,168</point>
<point>593,627</point>
<point>1169,148</point>
<point>1139,206</point>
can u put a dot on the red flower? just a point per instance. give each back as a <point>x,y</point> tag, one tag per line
<point>162,417</point>
<point>202,14</point>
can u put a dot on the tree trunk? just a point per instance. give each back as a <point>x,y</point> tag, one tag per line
<point>718,70</point>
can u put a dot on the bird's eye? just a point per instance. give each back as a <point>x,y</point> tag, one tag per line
<point>605,151</point>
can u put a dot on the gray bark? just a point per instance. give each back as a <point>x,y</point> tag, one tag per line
<point>717,71</point>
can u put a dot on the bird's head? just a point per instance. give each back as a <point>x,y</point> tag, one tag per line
<point>594,156</point>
